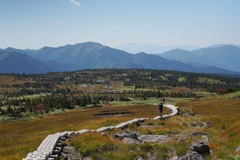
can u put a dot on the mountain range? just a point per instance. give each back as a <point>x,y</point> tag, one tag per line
<point>91,55</point>
<point>221,56</point>
<point>152,48</point>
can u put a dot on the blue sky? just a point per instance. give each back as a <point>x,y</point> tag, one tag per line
<point>37,23</point>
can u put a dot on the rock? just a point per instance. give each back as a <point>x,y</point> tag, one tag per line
<point>182,139</point>
<point>237,149</point>
<point>192,156</point>
<point>153,138</point>
<point>200,148</point>
<point>126,134</point>
<point>197,151</point>
<point>134,138</point>
<point>131,141</point>
<point>138,158</point>
<point>197,124</point>
<point>128,137</point>
<point>198,134</point>
<point>205,139</point>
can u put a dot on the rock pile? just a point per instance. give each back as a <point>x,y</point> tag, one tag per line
<point>197,151</point>
<point>135,138</point>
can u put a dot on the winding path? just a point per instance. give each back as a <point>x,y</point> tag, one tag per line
<point>51,146</point>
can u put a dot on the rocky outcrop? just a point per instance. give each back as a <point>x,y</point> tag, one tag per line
<point>153,138</point>
<point>126,134</point>
<point>197,151</point>
<point>135,138</point>
<point>201,148</point>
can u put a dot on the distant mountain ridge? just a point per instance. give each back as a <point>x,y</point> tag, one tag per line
<point>91,55</point>
<point>20,63</point>
<point>12,62</point>
<point>221,56</point>
<point>152,48</point>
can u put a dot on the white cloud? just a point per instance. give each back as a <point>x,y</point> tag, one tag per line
<point>75,2</point>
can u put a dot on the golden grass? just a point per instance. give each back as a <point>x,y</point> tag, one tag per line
<point>223,130</point>
<point>19,138</point>
<point>222,116</point>
<point>108,148</point>
<point>10,80</point>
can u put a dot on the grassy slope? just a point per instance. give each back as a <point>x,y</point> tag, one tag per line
<point>19,138</point>
<point>223,115</point>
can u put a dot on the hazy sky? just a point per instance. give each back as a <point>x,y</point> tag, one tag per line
<point>37,23</point>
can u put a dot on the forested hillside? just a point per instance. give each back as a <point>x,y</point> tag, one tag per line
<point>44,93</point>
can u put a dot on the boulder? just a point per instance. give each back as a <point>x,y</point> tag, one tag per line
<point>205,139</point>
<point>200,148</point>
<point>198,134</point>
<point>197,151</point>
<point>126,134</point>
<point>153,138</point>
<point>131,141</point>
